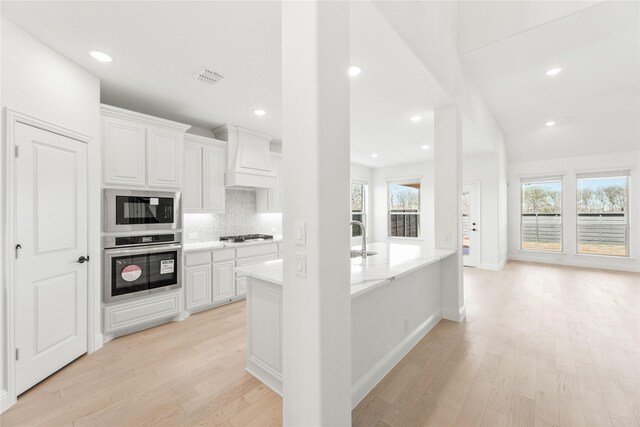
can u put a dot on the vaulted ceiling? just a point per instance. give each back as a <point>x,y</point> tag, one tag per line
<point>595,100</point>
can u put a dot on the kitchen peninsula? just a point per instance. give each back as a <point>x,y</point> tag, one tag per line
<point>395,301</point>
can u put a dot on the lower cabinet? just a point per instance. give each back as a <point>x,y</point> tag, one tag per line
<point>210,275</point>
<point>223,280</point>
<point>198,286</point>
<point>129,316</point>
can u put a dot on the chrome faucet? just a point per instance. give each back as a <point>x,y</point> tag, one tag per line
<point>364,236</point>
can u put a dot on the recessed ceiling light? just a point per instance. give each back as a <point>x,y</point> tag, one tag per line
<point>553,71</point>
<point>550,123</point>
<point>425,147</point>
<point>354,70</point>
<point>100,56</point>
<point>259,113</point>
<point>415,118</point>
<point>374,155</point>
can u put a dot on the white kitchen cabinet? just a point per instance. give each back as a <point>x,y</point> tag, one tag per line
<point>198,287</point>
<point>141,151</point>
<point>241,280</point>
<point>269,200</point>
<point>124,152</point>
<point>164,158</point>
<point>129,316</point>
<point>204,166</point>
<point>192,190</point>
<point>223,280</point>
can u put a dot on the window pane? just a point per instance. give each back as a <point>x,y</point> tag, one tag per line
<point>541,216</point>
<point>404,197</point>
<point>404,225</point>
<point>357,197</point>
<point>602,216</point>
<point>404,209</point>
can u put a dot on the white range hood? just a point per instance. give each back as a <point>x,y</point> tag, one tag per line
<point>248,161</point>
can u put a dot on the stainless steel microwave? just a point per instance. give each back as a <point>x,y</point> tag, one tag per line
<point>133,210</point>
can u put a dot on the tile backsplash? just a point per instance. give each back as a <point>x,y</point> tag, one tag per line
<point>240,218</point>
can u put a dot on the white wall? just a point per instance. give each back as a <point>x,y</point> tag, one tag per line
<point>39,82</point>
<point>568,167</point>
<point>380,176</point>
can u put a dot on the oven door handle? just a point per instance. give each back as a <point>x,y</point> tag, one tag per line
<point>142,250</point>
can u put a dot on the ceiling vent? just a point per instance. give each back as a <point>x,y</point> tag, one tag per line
<point>209,76</point>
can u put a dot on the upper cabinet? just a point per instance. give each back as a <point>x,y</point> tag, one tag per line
<point>204,168</point>
<point>141,151</point>
<point>269,200</point>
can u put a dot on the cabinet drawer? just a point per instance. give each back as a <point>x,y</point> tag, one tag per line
<point>131,314</point>
<point>224,255</point>
<point>197,258</point>
<point>256,250</point>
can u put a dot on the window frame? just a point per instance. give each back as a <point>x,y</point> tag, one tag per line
<point>365,205</point>
<point>401,181</point>
<point>626,174</point>
<point>541,180</point>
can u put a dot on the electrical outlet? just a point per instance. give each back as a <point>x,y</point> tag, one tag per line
<point>447,238</point>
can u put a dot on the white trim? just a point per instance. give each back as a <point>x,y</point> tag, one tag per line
<point>4,401</point>
<point>631,264</point>
<point>369,380</point>
<point>455,315</point>
<point>145,119</point>
<point>265,373</point>
<point>579,172</point>
<point>9,209</point>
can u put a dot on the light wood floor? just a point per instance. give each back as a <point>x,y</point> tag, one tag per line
<point>542,346</point>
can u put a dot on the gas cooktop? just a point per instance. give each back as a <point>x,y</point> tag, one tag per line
<point>246,238</point>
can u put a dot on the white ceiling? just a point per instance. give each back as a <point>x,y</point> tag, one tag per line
<point>159,46</point>
<point>594,100</point>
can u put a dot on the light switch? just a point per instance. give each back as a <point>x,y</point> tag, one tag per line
<point>301,264</point>
<point>300,237</point>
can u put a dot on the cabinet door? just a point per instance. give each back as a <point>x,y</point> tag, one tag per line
<point>223,280</point>
<point>275,194</point>
<point>192,188</point>
<point>124,153</point>
<point>213,168</point>
<point>164,158</point>
<point>198,286</point>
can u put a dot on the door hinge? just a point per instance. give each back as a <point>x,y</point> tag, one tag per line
<point>16,150</point>
<point>17,354</point>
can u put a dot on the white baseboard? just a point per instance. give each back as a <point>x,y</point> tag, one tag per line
<point>5,402</point>
<point>453,314</point>
<point>264,373</point>
<point>584,261</point>
<point>491,267</point>
<point>382,368</point>
<point>98,342</point>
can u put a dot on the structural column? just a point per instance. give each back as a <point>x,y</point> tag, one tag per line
<point>448,209</point>
<point>316,295</point>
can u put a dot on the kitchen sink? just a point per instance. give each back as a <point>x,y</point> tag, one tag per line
<point>356,254</point>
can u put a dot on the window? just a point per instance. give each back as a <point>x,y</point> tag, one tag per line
<point>359,207</point>
<point>541,214</point>
<point>602,213</point>
<point>404,208</point>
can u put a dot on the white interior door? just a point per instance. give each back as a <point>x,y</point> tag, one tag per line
<point>51,285</point>
<point>470,225</point>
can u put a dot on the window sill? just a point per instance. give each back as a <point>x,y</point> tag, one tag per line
<point>605,256</point>
<point>541,251</point>
<point>404,238</point>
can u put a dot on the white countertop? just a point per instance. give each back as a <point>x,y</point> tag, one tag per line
<point>392,260</point>
<point>216,244</point>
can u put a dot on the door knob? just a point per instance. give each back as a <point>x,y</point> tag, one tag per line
<point>473,229</point>
<point>83,259</point>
